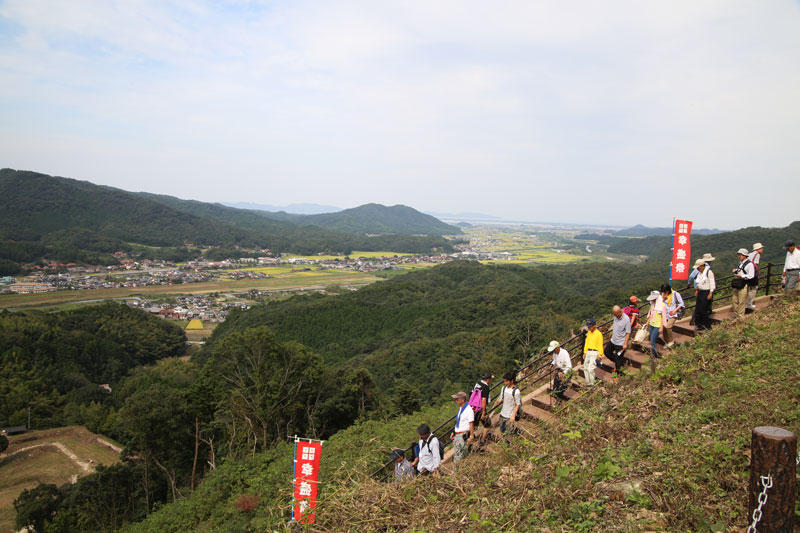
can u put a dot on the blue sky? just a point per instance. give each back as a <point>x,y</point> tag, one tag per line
<point>607,113</point>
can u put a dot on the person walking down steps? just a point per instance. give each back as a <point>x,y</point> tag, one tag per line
<point>656,319</point>
<point>592,349</point>
<point>512,401</point>
<point>464,430</point>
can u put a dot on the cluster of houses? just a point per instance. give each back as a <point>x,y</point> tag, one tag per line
<point>70,281</point>
<point>188,308</point>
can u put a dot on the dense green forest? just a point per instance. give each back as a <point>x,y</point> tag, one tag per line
<point>55,362</point>
<point>46,217</point>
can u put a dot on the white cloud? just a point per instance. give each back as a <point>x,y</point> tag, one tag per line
<point>521,108</point>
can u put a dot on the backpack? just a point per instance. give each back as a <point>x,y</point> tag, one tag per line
<point>475,399</point>
<point>631,311</point>
<point>441,446</point>
<point>741,283</point>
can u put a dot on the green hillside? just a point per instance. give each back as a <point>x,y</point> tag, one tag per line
<point>435,328</point>
<point>46,217</point>
<point>681,433</point>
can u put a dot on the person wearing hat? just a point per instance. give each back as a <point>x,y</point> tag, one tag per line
<point>656,319</point>
<point>481,415</point>
<point>429,456</point>
<point>592,349</point>
<point>692,281</point>
<point>403,471</point>
<point>512,401</point>
<point>791,268</point>
<point>704,294</point>
<point>563,368</point>
<point>465,424</point>
<point>743,273</point>
<point>752,287</point>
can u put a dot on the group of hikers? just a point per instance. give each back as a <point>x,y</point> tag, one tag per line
<point>666,308</point>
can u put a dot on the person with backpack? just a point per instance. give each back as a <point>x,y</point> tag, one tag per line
<point>430,451</point>
<point>479,400</point>
<point>743,273</point>
<point>704,294</point>
<point>512,401</point>
<point>632,310</point>
<point>752,286</point>
<point>465,425</point>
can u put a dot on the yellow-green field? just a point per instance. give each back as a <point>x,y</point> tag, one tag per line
<point>352,255</point>
<point>43,462</point>
<point>288,281</point>
<point>525,247</point>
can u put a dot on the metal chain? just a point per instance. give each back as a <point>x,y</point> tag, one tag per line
<point>766,481</point>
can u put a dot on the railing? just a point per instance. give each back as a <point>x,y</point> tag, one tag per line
<point>544,361</point>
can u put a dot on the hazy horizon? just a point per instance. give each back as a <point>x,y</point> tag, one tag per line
<point>568,113</point>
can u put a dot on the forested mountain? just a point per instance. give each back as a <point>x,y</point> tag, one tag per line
<point>55,362</point>
<point>300,209</point>
<point>375,219</point>
<point>64,219</point>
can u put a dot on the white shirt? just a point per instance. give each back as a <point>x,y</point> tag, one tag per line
<point>511,399</point>
<point>467,416</point>
<point>749,270</point>
<point>429,460</point>
<point>562,360</point>
<point>755,257</point>
<point>706,281</point>
<point>792,260</point>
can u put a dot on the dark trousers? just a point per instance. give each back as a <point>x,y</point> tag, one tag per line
<point>614,352</point>
<point>702,311</point>
<point>560,384</point>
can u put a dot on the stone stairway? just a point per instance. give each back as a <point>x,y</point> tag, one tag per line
<point>540,408</point>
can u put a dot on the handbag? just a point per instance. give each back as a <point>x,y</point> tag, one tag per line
<point>738,283</point>
<point>641,335</point>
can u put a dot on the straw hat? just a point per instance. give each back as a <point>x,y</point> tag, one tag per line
<point>757,246</point>
<point>700,262</point>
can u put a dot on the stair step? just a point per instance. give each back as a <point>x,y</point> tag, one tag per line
<point>534,413</point>
<point>598,374</point>
<point>636,358</point>
<point>684,328</point>
<point>543,401</point>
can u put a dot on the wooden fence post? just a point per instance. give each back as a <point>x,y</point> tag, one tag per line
<point>773,452</point>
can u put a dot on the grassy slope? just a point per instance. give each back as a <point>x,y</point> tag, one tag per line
<point>350,453</point>
<point>45,464</point>
<point>684,434</point>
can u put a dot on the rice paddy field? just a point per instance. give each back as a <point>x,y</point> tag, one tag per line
<point>280,281</point>
<point>530,246</point>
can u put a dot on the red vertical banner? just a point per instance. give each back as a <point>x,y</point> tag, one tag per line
<point>681,250</point>
<point>306,476</point>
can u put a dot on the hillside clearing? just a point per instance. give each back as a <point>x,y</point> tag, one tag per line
<point>55,456</point>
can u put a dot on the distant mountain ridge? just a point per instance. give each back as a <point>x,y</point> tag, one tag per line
<point>43,216</point>
<point>296,209</point>
<point>643,231</point>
